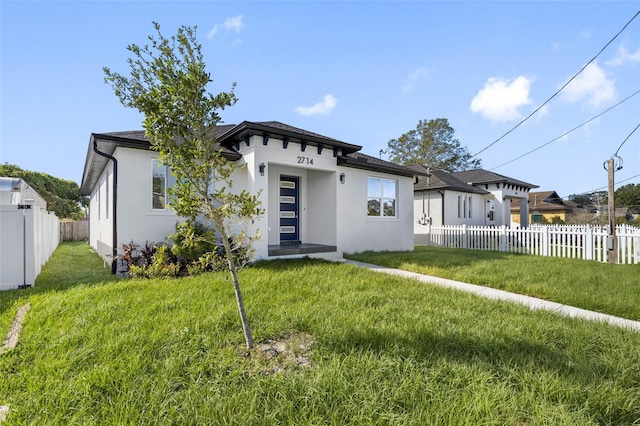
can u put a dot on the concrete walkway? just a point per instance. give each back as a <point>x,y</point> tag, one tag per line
<point>491,293</point>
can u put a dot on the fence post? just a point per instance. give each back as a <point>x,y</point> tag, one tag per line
<point>545,241</point>
<point>503,238</point>
<point>588,244</point>
<point>464,236</point>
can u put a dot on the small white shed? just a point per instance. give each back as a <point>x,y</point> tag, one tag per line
<point>28,234</point>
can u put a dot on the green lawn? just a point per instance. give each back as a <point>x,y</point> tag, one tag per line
<point>601,287</point>
<point>387,351</point>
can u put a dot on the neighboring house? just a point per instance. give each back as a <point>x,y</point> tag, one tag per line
<point>547,206</point>
<point>29,233</point>
<point>320,195</point>
<point>475,197</point>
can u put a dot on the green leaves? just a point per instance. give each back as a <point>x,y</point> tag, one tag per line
<point>432,144</point>
<point>62,196</point>
<point>168,84</point>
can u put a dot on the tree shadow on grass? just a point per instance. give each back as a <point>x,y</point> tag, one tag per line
<point>278,265</point>
<point>436,257</point>
<point>71,265</point>
<point>501,356</point>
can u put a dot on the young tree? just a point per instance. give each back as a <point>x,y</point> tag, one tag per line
<point>432,144</point>
<point>168,84</point>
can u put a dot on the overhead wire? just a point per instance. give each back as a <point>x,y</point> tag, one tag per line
<point>626,139</point>
<point>559,90</point>
<point>605,187</point>
<point>570,131</point>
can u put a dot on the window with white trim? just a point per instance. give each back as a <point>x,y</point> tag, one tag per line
<point>464,207</point>
<point>381,197</point>
<point>159,185</point>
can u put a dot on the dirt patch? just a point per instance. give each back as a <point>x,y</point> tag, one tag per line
<point>287,353</point>
<point>11,340</point>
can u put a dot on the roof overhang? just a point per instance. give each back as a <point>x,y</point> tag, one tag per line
<point>248,129</point>
<point>95,164</point>
<point>364,164</point>
<point>108,143</point>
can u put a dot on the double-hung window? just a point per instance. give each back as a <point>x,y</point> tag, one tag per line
<point>381,197</point>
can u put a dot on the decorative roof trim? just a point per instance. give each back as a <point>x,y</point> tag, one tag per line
<point>284,131</point>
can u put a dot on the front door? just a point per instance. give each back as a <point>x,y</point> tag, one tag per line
<point>289,209</point>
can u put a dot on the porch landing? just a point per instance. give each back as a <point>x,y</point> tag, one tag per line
<point>305,248</point>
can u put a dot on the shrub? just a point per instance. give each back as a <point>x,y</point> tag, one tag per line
<point>161,265</point>
<point>192,252</point>
<point>192,240</point>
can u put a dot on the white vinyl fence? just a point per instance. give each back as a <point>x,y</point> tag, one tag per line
<point>28,237</point>
<point>572,241</point>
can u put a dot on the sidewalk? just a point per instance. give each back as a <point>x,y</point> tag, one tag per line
<point>491,293</point>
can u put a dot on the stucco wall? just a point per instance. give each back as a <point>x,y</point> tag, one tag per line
<point>331,213</point>
<point>356,231</point>
<point>101,215</point>
<point>137,220</point>
<point>430,204</point>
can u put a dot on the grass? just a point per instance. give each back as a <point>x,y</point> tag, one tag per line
<point>387,351</point>
<point>601,287</point>
<point>72,264</point>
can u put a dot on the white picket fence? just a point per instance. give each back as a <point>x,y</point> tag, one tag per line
<point>572,241</point>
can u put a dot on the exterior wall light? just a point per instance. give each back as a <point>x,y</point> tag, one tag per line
<point>261,168</point>
<point>343,178</point>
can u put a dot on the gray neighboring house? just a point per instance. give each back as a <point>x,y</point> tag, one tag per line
<point>474,197</point>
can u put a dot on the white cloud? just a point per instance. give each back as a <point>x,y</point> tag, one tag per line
<point>417,75</point>
<point>323,107</point>
<point>234,23</point>
<point>623,56</point>
<point>591,85</point>
<point>500,98</point>
<point>585,35</point>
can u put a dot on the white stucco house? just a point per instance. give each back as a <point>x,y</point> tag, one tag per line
<point>474,197</point>
<point>321,196</point>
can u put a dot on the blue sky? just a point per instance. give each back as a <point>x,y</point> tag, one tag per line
<point>361,72</point>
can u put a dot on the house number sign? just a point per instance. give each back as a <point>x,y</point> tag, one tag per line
<point>305,160</point>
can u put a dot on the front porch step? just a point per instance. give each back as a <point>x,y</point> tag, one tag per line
<point>293,249</point>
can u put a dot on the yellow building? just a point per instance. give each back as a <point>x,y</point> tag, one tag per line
<point>545,207</point>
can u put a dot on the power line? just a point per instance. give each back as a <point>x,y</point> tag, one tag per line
<point>566,133</point>
<point>605,187</point>
<point>626,139</point>
<point>559,90</point>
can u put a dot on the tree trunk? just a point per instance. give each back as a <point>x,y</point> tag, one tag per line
<point>236,286</point>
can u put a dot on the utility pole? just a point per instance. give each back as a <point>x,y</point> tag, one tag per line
<point>612,241</point>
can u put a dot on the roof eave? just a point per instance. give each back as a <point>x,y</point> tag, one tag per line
<point>364,165</point>
<point>248,128</point>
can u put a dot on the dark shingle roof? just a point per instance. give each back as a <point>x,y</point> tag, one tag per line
<point>362,161</point>
<point>441,179</point>
<point>248,128</point>
<point>480,176</point>
<point>107,144</point>
<point>547,201</point>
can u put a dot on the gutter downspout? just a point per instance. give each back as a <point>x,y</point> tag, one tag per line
<point>114,262</point>
<point>442,195</point>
